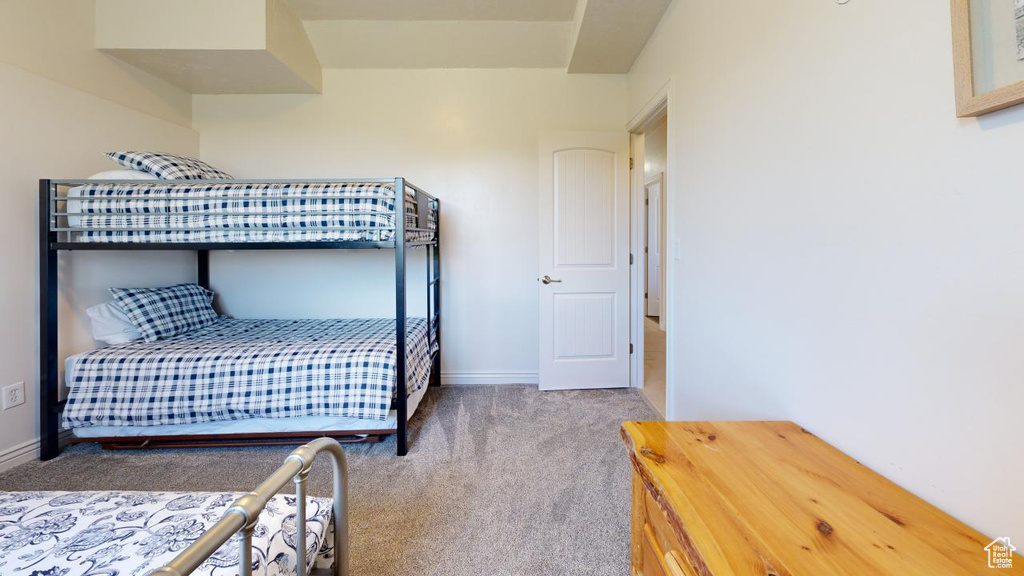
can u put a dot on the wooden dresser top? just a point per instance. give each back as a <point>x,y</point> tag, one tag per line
<point>770,498</point>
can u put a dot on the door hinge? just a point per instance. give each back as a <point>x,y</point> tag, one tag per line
<point>647,202</point>
<point>630,163</point>
<point>645,250</point>
<point>645,295</point>
<point>630,347</point>
<point>631,259</point>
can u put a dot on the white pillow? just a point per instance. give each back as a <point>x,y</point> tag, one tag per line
<point>110,325</point>
<point>123,175</point>
<point>76,207</point>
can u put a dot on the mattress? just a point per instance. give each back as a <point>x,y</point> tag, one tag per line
<point>148,212</point>
<point>256,425</point>
<point>245,369</point>
<point>134,533</point>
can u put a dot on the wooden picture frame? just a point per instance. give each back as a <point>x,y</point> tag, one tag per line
<point>968,103</point>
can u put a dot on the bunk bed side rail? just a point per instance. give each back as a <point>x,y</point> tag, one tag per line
<point>277,213</point>
<point>84,181</point>
<point>244,514</point>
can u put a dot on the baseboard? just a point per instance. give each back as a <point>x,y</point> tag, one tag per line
<point>24,452</point>
<point>488,378</point>
<point>640,392</point>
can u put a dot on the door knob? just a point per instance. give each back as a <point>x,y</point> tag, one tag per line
<point>549,280</point>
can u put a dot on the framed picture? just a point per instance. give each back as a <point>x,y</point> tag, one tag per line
<point>988,55</point>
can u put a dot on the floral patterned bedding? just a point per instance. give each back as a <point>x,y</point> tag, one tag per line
<point>134,533</point>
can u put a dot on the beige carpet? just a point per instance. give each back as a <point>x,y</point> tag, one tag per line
<point>498,481</point>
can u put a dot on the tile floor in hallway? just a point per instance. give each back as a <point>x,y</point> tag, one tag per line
<point>654,364</point>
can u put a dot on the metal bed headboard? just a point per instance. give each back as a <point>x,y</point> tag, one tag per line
<point>242,516</point>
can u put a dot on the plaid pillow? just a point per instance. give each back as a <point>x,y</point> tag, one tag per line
<point>168,166</point>
<point>160,313</point>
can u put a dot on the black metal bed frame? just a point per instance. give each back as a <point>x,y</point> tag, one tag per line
<point>51,243</point>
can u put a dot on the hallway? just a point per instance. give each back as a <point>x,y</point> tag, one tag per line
<point>654,365</point>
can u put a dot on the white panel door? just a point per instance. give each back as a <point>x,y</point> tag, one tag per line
<point>654,248</point>
<point>584,261</point>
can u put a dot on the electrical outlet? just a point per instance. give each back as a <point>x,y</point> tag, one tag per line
<point>14,395</point>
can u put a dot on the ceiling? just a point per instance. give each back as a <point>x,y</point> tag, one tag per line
<point>511,10</point>
<point>440,44</point>
<point>582,36</point>
<point>612,34</point>
<point>282,46</point>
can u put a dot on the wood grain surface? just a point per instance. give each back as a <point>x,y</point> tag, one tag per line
<point>770,498</point>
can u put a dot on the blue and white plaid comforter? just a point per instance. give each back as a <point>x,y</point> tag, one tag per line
<point>238,369</point>
<point>156,211</point>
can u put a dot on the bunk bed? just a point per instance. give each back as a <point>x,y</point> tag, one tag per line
<point>210,215</point>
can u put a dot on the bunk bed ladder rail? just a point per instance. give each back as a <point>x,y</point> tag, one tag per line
<point>434,296</point>
<point>424,205</point>
<point>244,514</point>
<point>427,206</point>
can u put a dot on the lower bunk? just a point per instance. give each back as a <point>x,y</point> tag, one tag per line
<point>239,382</point>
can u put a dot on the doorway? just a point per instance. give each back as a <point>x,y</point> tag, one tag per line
<point>650,242</point>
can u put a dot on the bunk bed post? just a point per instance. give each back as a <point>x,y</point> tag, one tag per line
<point>203,268</point>
<point>400,365</point>
<point>437,293</point>
<point>49,407</point>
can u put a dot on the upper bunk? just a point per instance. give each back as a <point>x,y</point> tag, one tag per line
<point>236,214</point>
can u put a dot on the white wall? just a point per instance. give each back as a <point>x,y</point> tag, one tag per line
<point>851,252</point>
<point>54,39</point>
<point>50,130</point>
<point>468,136</point>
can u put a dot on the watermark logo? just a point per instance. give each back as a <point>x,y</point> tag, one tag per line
<point>1000,553</point>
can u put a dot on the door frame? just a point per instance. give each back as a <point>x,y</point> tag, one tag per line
<point>659,105</point>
